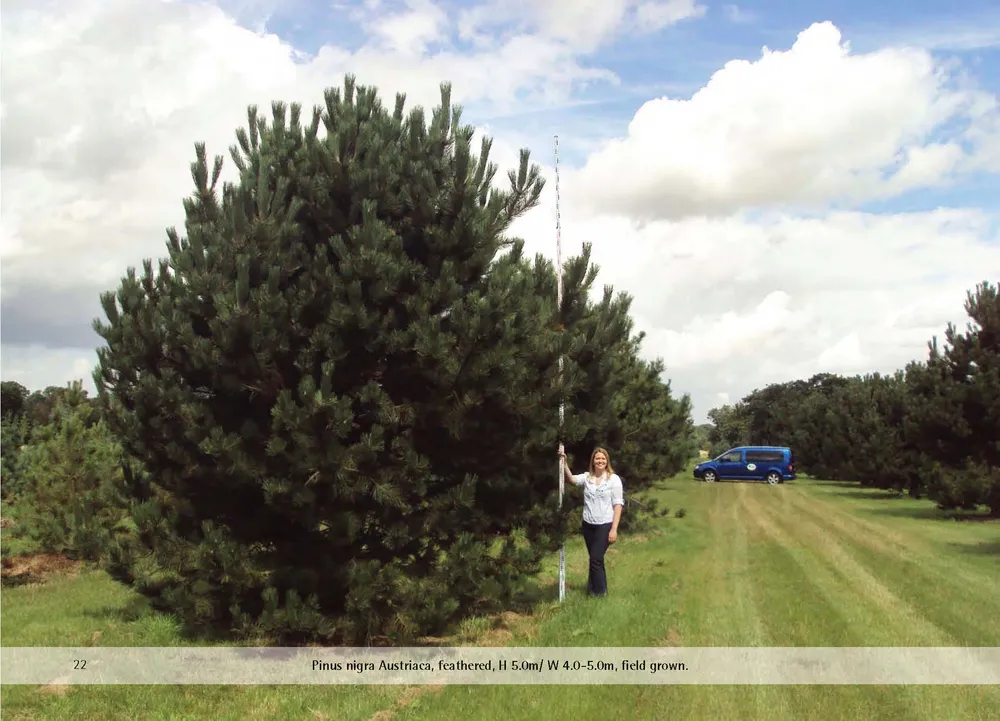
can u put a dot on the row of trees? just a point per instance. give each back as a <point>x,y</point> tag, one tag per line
<point>333,407</point>
<point>931,429</point>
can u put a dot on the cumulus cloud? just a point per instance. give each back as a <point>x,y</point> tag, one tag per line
<point>737,302</point>
<point>733,334</point>
<point>103,101</point>
<point>806,126</point>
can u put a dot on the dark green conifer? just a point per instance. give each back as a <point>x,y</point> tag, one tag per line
<point>342,383</point>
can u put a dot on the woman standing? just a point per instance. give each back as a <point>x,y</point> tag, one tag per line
<point>603,499</point>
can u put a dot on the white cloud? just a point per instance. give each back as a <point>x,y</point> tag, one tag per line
<point>732,335</point>
<point>737,302</point>
<point>82,367</point>
<point>36,367</point>
<point>255,14</point>
<point>970,30</point>
<point>654,16</point>
<point>104,99</point>
<point>410,32</point>
<point>806,126</point>
<point>844,356</point>
<point>585,24</point>
<point>582,24</point>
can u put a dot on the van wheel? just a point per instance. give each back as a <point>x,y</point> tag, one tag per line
<point>773,478</point>
<point>710,476</point>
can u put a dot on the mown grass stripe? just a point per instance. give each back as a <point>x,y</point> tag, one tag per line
<point>923,582</point>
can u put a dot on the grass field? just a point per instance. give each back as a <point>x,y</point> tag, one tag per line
<point>810,563</point>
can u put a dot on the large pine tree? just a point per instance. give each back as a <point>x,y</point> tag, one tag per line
<point>341,391</point>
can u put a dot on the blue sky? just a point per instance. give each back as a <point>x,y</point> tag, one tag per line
<point>678,60</point>
<point>823,209</point>
<point>682,57</point>
<point>722,35</point>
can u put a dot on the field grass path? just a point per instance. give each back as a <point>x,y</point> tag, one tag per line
<point>810,563</point>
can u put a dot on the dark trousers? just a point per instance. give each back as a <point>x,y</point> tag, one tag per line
<point>596,538</point>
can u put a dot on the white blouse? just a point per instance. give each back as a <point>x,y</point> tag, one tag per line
<point>599,501</point>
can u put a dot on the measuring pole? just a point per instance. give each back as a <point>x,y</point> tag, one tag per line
<point>559,294</point>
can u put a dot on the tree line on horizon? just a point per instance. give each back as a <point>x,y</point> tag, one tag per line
<point>331,413</point>
<point>930,430</point>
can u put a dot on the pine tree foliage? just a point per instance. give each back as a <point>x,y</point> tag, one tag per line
<point>955,412</point>
<point>15,432</point>
<point>340,389</point>
<point>657,434</point>
<point>65,499</point>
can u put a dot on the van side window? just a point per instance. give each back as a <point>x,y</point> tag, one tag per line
<point>764,456</point>
<point>733,457</point>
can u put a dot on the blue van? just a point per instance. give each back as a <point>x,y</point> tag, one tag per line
<point>773,464</point>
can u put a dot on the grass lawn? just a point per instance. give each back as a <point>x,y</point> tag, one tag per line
<point>809,563</point>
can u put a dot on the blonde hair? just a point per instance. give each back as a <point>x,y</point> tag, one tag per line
<point>607,455</point>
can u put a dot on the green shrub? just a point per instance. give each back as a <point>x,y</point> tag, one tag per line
<point>66,500</point>
<point>13,435</point>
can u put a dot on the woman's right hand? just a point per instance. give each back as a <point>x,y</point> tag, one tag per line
<point>562,451</point>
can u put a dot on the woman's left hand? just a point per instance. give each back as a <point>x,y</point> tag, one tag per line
<point>612,536</point>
